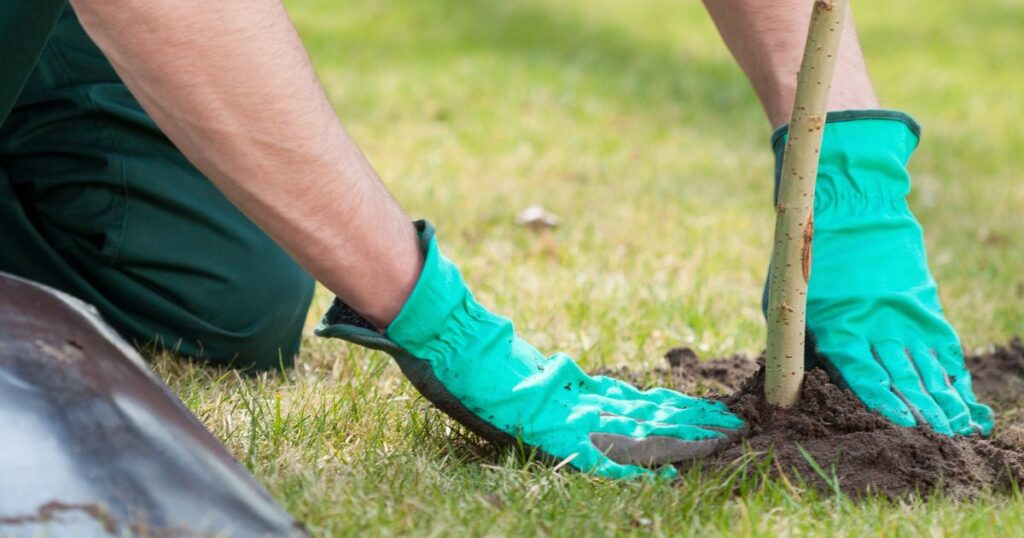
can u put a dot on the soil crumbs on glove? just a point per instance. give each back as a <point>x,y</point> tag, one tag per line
<point>857,448</point>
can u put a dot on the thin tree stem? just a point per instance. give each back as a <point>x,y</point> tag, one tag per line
<point>794,220</point>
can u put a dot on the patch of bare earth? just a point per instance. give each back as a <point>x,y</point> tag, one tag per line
<point>851,445</point>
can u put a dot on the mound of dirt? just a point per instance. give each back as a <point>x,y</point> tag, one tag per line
<point>998,376</point>
<point>862,451</point>
<point>998,379</point>
<point>687,373</point>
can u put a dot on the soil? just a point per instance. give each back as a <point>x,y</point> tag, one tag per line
<point>853,448</point>
<point>998,376</point>
<point>686,372</point>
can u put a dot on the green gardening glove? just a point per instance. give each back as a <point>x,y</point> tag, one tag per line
<point>471,365</point>
<point>873,309</point>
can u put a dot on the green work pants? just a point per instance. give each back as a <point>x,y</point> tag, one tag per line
<point>96,201</point>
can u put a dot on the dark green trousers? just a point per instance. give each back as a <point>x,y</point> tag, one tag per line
<point>96,201</point>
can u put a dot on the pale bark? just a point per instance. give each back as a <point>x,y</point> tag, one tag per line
<point>794,223</point>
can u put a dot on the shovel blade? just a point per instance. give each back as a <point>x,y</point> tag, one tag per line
<point>92,443</point>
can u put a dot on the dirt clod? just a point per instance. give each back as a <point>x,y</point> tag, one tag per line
<point>854,446</point>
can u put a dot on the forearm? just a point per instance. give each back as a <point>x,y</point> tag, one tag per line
<point>767,39</point>
<point>230,83</point>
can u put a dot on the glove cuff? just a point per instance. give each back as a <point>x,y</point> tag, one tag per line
<point>341,321</point>
<point>863,157</point>
<point>439,316</point>
<point>778,136</point>
<point>438,305</point>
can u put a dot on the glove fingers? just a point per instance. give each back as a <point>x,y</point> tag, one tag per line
<point>952,359</point>
<point>634,409</point>
<point>645,443</point>
<point>654,451</point>
<point>701,413</point>
<point>938,385</point>
<point>719,420</point>
<point>983,416</point>
<point>614,388</point>
<point>908,385</point>
<point>611,469</point>
<point>618,425</point>
<point>587,458</point>
<point>867,378</point>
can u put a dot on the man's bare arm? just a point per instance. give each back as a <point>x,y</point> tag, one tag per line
<point>767,38</point>
<point>231,85</point>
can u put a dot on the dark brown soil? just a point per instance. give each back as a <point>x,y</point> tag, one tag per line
<point>853,446</point>
<point>687,373</point>
<point>864,452</point>
<point>998,378</point>
<point>999,375</point>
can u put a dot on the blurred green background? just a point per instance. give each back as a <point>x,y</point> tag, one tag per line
<point>632,123</point>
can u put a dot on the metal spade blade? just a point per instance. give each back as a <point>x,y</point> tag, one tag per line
<point>92,443</point>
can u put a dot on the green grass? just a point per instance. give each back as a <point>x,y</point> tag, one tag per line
<point>631,122</point>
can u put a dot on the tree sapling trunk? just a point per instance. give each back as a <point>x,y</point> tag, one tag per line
<point>794,222</point>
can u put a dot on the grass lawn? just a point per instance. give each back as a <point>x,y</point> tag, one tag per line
<point>631,122</point>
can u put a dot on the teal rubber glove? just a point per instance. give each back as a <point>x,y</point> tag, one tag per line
<point>873,309</point>
<point>471,365</point>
